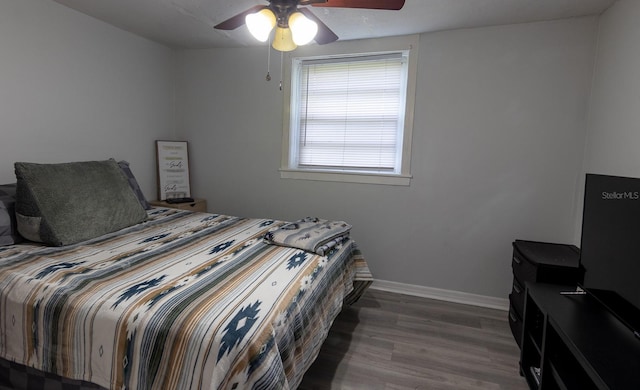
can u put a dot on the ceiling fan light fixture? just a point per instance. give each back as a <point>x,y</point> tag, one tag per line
<point>283,40</point>
<point>302,28</point>
<point>261,23</point>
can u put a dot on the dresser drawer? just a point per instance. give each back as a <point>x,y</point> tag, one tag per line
<point>546,262</point>
<point>515,323</point>
<point>517,297</point>
<point>524,270</point>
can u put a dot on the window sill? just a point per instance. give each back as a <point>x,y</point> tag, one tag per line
<point>347,177</point>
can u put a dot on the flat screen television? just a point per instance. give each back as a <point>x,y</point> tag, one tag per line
<point>610,245</point>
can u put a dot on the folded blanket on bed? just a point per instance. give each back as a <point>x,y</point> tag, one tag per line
<point>310,234</point>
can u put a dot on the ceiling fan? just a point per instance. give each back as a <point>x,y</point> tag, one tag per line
<point>296,26</point>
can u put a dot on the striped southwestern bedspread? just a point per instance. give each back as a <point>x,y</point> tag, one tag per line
<point>182,301</point>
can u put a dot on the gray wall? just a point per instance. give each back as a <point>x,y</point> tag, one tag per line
<point>73,88</point>
<point>613,132</point>
<point>613,139</point>
<point>497,151</point>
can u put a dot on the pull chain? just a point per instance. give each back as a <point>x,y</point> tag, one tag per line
<point>281,66</point>
<point>268,59</point>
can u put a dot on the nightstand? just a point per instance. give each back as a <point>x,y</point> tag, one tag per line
<point>198,204</point>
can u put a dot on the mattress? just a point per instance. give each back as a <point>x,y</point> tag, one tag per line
<point>182,301</point>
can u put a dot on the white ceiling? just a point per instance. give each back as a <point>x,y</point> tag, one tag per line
<point>189,23</point>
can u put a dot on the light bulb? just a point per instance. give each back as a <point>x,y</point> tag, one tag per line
<point>282,40</point>
<point>302,28</point>
<point>261,23</point>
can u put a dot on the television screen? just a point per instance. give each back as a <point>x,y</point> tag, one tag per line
<point>610,245</point>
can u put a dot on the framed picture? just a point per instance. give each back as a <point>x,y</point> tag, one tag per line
<point>173,169</point>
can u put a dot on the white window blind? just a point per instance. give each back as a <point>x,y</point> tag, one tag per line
<point>347,114</point>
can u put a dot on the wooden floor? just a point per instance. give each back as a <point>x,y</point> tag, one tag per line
<point>395,342</point>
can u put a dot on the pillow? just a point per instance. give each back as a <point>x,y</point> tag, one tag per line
<point>62,204</point>
<point>124,165</point>
<point>8,231</point>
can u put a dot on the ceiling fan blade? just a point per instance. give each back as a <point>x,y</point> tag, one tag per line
<point>310,2</point>
<point>236,21</point>
<point>324,35</point>
<point>369,4</point>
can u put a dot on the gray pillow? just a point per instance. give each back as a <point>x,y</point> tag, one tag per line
<point>62,204</point>
<point>8,230</point>
<point>133,183</point>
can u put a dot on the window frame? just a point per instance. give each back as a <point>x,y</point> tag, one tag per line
<point>347,49</point>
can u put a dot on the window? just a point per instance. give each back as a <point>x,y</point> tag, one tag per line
<point>348,118</point>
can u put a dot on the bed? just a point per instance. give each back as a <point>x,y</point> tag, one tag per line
<point>182,300</point>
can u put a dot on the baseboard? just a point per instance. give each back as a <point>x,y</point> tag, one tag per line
<point>441,294</point>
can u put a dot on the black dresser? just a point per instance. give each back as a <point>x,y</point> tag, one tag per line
<point>540,262</point>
